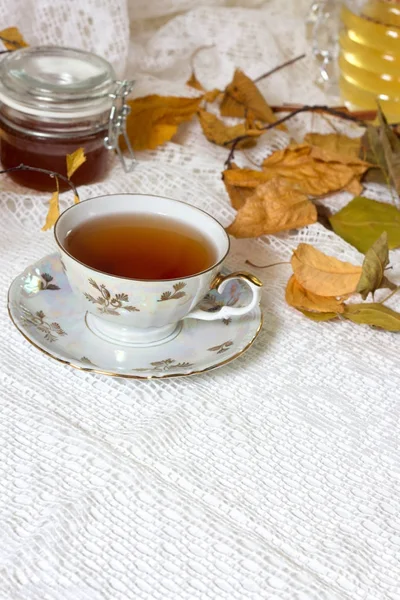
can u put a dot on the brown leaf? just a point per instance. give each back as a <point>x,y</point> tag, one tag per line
<point>373,268</point>
<point>300,298</point>
<point>324,275</point>
<point>217,132</point>
<point>54,209</point>
<point>153,120</point>
<point>335,142</point>
<point>242,95</point>
<point>194,82</point>
<point>275,206</point>
<point>74,161</point>
<point>12,38</point>
<point>373,314</point>
<point>315,171</point>
<point>241,183</point>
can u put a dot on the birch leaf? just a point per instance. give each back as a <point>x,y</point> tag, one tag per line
<point>74,161</point>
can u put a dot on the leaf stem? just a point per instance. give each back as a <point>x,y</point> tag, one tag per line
<point>248,262</point>
<point>23,167</point>
<point>390,295</point>
<point>279,67</point>
<point>306,108</point>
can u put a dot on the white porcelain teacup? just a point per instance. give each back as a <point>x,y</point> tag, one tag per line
<point>131,311</point>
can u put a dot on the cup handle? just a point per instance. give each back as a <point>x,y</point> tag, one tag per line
<point>219,284</point>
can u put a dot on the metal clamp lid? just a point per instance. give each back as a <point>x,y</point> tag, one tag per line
<point>117,124</point>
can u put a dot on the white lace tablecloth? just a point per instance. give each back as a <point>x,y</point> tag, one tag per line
<point>275,477</point>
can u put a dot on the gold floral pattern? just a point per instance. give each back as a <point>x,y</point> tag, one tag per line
<point>221,347</point>
<point>176,294</point>
<point>108,304</point>
<point>161,366</point>
<point>51,331</point>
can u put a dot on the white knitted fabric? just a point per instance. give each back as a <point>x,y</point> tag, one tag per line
<point>274,478</point>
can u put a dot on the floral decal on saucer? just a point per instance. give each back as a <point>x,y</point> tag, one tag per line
<point>176,294</point>
<point>166,365</point>
<point>51,331</point>
<point>221,347</point>
<point>109,304</point>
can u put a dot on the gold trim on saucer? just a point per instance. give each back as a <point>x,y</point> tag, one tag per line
<point>127,376</point>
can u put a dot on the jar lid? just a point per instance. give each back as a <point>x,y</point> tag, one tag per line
<point>56,82</point>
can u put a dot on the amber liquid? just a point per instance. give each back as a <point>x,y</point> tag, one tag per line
<point>141,247</point>
<point>50,153</point>
<point>370,57</point>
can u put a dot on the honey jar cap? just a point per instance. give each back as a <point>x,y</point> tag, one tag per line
<point>56,82</point>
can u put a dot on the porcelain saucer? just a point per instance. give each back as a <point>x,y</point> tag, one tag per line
<point>44,309</point>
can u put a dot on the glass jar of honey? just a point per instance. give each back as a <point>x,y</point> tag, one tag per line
<point>53,101</point>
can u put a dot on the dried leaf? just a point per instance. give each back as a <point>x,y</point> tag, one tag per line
<point>324,275</point>
<point>54,209</point>
<point>373,314</point>
<point>217,132</point>
<point>241,183</point>
<point>335,142</point>
<point>194,82</point>
<point>315,171</point>
<point>242,95</point>
<point>212,95</point>
<point>314,316</point>
<point>362,220</point>
<point>76,199</point>
<point>391,148</point>
<point>300,298</point>
<point>12,38</point>
<point>373,268</point>
<point>74,161</point>
<point>381,147</point>
<point>153,120</point>
<point>275,206</point>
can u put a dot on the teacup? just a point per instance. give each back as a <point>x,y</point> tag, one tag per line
<point>137,312</point>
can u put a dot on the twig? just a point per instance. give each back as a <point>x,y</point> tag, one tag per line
<point>278,68</point>
<point>301,109</point>
<point>23,167</point>
<point>5,51</point>
<point>248,262</point>
<point>365,115</point>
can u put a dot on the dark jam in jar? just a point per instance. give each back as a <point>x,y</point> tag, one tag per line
<point>52,102</point>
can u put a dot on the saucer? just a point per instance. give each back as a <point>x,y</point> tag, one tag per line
<point>44,309</point>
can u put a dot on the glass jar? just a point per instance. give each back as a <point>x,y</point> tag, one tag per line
<point>370,55</point>
<point>52,101</point>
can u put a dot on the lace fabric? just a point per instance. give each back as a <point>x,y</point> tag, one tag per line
<point>273,477</point>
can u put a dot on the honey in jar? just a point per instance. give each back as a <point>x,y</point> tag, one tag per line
<point>53,101</point>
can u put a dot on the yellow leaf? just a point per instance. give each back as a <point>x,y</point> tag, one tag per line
<point>242,95</point>
<point>54,210</point>
<point>300,298</point>
<point>153,120</point>
<point>335,142</point>
<point>194,82</point>
<point>212,95</point>
<point>12,38</point>
<point>241,183</point>
<point>217,132</point>
<point>275,206</point>
<point>74,161</point>
<point>324,275</point>
<point>76,199</point>
<point>313,170</point>
<point>314,316</point>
